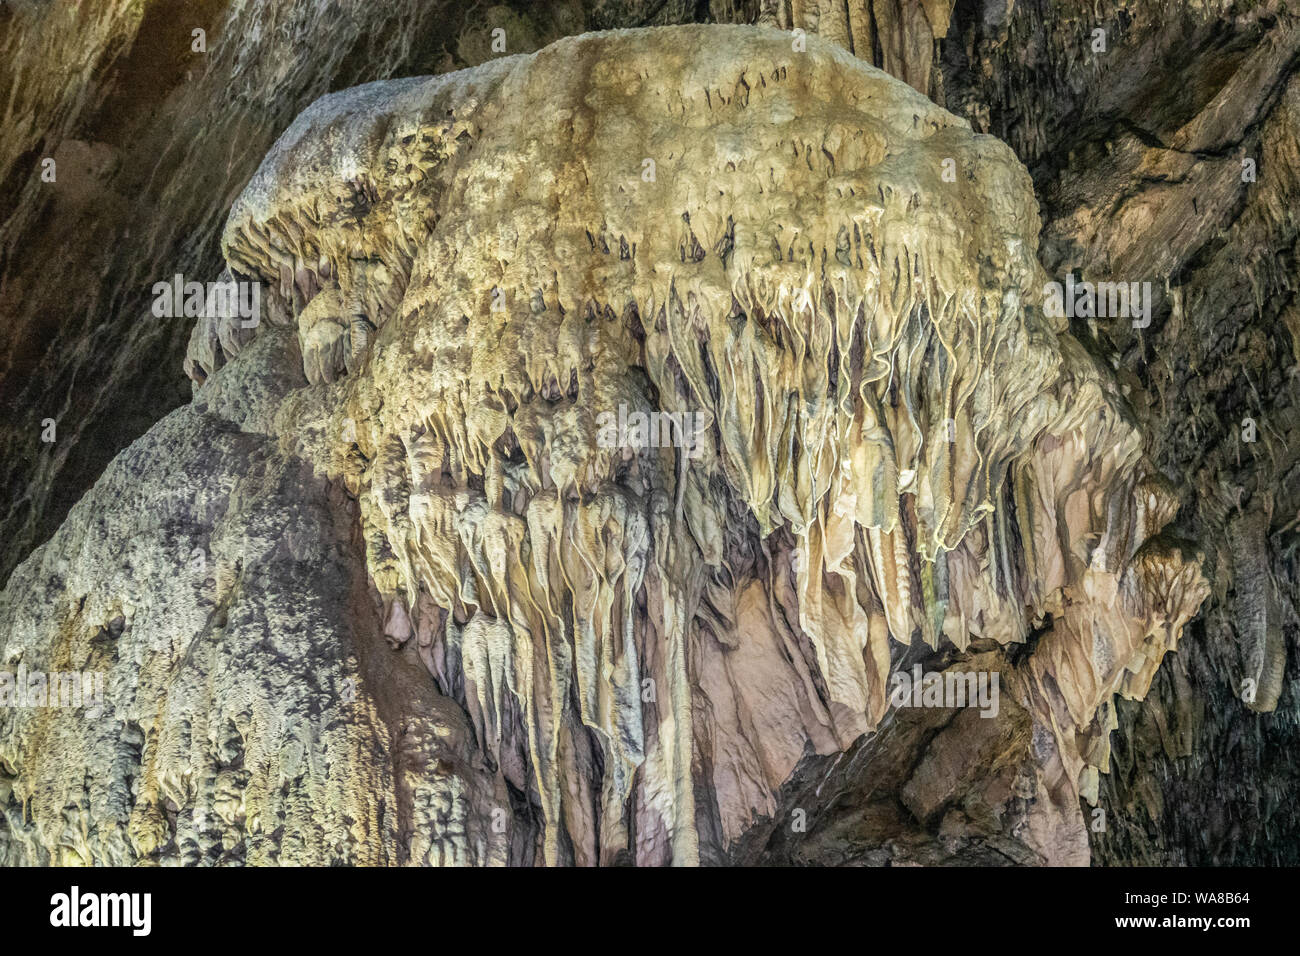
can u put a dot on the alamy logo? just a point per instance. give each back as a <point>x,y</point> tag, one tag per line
<point>213,300</point>
<point>950,689</point>
<point>652,430</point>
<point>58,689</point>
<point>103,909</point>
<point>1086,300</point>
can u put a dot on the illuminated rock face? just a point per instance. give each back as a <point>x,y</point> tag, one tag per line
<point>403,493</point>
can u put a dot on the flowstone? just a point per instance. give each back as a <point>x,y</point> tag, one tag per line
<point>465,275</point>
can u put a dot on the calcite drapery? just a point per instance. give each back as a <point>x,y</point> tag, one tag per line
<point>835,272</point>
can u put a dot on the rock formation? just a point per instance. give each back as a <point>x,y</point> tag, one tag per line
<point>464,274</point>
<point>625,422</point>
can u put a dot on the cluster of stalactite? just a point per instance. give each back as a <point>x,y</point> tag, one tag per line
<point>897,443</point>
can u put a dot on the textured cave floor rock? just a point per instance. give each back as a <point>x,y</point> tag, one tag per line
<point>1135,157</point>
